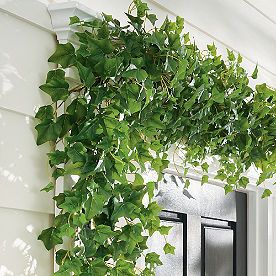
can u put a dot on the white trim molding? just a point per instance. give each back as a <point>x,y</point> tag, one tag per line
<point>60,14</point>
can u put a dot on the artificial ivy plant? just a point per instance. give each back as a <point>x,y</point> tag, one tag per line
<point>140,92</point>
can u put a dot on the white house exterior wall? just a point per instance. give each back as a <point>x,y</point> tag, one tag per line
<point>25,44</point>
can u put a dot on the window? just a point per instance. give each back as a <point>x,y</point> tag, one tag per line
<point>172,264</point>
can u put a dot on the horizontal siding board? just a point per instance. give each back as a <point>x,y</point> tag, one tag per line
<point>202,38</point>
<point>233,22</point>
<point>20,251</point>
<point>24,167</point>
<point>32,11</point>
<point>23,64</point>
<point>266,7</point>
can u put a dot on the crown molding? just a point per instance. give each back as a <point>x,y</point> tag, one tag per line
<point>60,15</point>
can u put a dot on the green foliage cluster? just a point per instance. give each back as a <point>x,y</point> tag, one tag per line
<point>140,92</point>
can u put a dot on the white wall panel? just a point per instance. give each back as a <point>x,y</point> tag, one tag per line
<point>267,7</point>
<point>23,166</point>
<point>26,43</point>
<point>38,15</point>
<point>24,50</point>
<point>20,251</point>
<point>235,23</point>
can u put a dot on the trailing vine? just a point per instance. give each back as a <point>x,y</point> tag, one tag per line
<point>140,92</point>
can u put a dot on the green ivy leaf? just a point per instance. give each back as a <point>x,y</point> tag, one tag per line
<point>64,123</point>
<point>232,180</point>
<point>64,55</point>
<point>187,184</point>
<point>139,180</point>
<point>74,20</point>
<point>141,7</point>
<point>67,230</point>
<point>77,109</point>
<point>221,175</point>
<point>103,232</point>
<point>243,181</point>
<point>134,105</point>
<point>48,187</point>
<point>101,45</point>
<point>123,267</point>
<point>151,188</point>
<point>70,265</point>
<point>56,86</point>
<point>86,74</point>
<point>188,105</point>
<point>179,24</point>
<point>50,237</point>
<point>228,189</point>
<point>168,248</point>
<point>107,17</point>
<point>266,193</point>
<point>98,267</point>
<point>60,256</point>
<point>57,157</point>
<point>212,49</point>
<point>157,38</point>
<point>58,172</point>
<point>47,131</point>
<point>71,204</point>
<point>73,169</point>
<point>217,96</point>
<point>231,55</point>
<point>77,152</point>
<point>186,38</point>
<point>79,220</point>
<point>153,259</point>
<point>45,112</point>
<point>138,74</point>
<point>164,230</point>
<point>125,209</point>
<point>152,18</point>
<point>239,58</point>
<point>181,73</point>
<point>205,167</point>
<point>255,73</point>
<point>204,179</point>
<point>154,209</point>
<point>94,205</point>
<point>156,164</point>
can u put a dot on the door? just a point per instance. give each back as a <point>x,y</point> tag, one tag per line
<point>209,230</point>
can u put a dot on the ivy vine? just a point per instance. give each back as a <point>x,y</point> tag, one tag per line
<point>139,92</point>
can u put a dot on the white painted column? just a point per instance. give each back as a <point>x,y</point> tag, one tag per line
<point>60,15</point>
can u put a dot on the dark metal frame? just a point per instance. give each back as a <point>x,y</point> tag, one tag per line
<point>182,218</point>
<point>239,228</point>
<point>216,224</point>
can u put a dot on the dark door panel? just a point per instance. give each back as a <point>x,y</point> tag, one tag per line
<point>209,227</point>
<point>218,253</point>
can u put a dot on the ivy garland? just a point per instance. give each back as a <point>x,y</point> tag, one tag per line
<point>139,93</point>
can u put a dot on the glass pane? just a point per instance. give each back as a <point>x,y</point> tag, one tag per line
<point>218,252</point>
<point>172,264</point>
